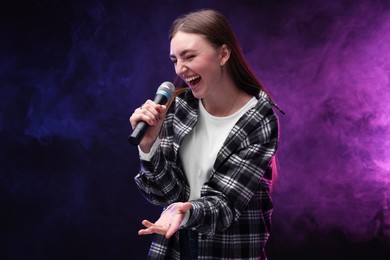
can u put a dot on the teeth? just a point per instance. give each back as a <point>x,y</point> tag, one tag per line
<point>192,78</point>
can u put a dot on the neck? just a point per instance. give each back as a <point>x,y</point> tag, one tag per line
<point>226,103</point>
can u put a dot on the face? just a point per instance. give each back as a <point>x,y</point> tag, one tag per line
<point>197,62</point>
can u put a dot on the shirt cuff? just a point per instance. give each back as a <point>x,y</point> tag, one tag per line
<point>148,156</point>
<point>186,217</point>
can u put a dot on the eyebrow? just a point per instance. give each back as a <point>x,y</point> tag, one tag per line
<point>181,53</point>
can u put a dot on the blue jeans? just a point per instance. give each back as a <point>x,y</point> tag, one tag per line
<point>188,244</point>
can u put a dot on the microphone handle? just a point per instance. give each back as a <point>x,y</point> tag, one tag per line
<point>138,133</point>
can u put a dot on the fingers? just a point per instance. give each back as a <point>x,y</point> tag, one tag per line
<point>147,223</point>
<point>169,221</point>
<point>154,228</point>
<point>146,231</point>
<point>149,112</point>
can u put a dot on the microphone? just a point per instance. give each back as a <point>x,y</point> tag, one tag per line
<point>163,94</point>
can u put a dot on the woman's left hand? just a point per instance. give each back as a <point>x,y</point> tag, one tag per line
<point>169,221</point>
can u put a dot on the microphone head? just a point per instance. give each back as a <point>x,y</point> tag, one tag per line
<point>167,89</point>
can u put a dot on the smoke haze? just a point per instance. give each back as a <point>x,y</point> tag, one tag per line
<point>72,72</point>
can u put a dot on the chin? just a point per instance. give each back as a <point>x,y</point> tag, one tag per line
<point>195,93</point>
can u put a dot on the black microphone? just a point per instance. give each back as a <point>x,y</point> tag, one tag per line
<point>163,94</point>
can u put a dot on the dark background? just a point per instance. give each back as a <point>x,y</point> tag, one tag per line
<point>72,72</point>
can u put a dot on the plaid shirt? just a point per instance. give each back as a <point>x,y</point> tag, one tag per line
<point>233,215</point>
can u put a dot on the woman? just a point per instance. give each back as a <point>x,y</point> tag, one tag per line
<point>207,157</point>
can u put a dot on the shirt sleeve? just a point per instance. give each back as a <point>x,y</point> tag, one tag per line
<point>149,155</point>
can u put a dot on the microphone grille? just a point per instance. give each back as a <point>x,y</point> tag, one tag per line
<point>167,89</point>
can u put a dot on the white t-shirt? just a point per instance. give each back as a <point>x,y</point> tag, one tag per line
<point>200,147</point>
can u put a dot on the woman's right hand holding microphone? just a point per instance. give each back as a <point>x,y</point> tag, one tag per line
<point>153,114</point>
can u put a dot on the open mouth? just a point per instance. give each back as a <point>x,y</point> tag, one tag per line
<point>193,80</point>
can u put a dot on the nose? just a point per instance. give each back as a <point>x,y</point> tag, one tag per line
<point>180,68</point>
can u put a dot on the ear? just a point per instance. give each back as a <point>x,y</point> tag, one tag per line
<point>224,54</point>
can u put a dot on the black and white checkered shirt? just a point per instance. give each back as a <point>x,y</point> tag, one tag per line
<point>233,215</point>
